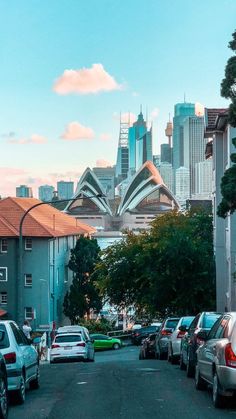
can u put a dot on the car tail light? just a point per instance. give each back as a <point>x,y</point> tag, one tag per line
<point>165,332</point>
<point>230,357</point>
<point>180,334</point>
<point>10,358</point>
<point>136,334</point>
<point>81,344</point>
<point>54,345</point>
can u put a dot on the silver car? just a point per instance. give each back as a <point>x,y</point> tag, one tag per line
<point>174,343</point>
<point>21,358</point>
<point>216,359</point>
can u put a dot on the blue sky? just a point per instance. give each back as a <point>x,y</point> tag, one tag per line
<point>148,52</point>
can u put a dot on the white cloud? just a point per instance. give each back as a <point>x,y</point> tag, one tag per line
<point>85,80</point>
<point>34,139</point>
<point>76,131</point>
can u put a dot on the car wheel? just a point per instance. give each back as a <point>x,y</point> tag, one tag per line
<point>162,355</point>
<point>181,363</point>
<point>200,384</point>
<point>169,356</point>
<point>116,346</point>
<point>20,393</point>
<point>3,399</point>
<point>34,384</point>
<point>217,398</point>
<point>190,368</point>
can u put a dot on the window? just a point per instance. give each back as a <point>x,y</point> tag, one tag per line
<point>29,313</point>
<point>28,280</point>
<point>3,274</point>
<point>28,243</point>
<point>4,246</point>
<point>3,298</point>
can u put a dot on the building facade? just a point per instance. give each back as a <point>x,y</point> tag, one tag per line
<point>24,191</point>
<point>219,148</point>
<point>106,176</point>
<point>46,192</point>
<point>35,288</point>
<point>140,144</point>
<point>65,189</point>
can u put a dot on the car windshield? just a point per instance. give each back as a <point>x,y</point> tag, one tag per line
<point>209,320</point>
<point>171,324</point>
<point>68,338</point>
<point>4,341</point>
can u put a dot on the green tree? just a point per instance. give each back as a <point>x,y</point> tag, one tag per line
<point>170,269</point>
<point>228,90</point>
<point>83,294</point>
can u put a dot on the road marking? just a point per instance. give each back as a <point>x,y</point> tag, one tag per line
<point>148,369</point>
<point>82,382</point>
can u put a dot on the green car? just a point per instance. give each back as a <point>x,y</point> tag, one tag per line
<point>105,342</point>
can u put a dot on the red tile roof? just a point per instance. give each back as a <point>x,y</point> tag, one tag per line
<point>43,221</point>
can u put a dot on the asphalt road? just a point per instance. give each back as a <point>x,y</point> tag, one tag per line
<point>117,385</point>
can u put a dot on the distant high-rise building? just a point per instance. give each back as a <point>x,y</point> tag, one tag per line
<point>140,144</point>
<point>165,153</point>
<point>106,176</point>
<point>203,178</point>
<point>166,172</point>
<point>46,192</point>
<point>65,189</point>
<point>24,191</point>
<point>156,160</point>
<point>194,145</point>
<point>182,179</point>
<point>122,160</point>
<point>182,111</point>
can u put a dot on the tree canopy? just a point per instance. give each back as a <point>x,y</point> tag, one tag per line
<point>228,90</point>
<point>83,294</point>
<point>167,270</point>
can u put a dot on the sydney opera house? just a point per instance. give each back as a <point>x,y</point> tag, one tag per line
<point>146,197</point>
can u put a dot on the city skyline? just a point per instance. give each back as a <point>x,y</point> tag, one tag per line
<point>68,71</point>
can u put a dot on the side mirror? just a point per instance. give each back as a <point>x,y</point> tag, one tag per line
<point>202,335</point>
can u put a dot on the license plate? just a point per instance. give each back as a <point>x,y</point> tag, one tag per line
<point>67,347</point>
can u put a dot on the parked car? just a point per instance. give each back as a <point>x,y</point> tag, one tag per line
<point>147,349</point>
<point>138,335</point>
<point>191,340</point>
<point>174,342</point>
<point>3,384</point>
<point>163,335</point>
<point>105,342</point>
<point>22,360</point>
<point>74,346</point>
<point>216,359</point>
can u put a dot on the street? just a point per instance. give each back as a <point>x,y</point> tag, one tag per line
<point>117,385</point>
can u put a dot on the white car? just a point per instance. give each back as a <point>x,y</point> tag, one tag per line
<point>174,343</point>
<point>22,360</point>
<point>72,345</point>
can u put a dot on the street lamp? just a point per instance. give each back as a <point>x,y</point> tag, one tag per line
<point>19,298</point>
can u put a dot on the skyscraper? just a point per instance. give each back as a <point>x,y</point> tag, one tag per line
<point>165,153</point>
<point>24,191</point>
<point>182,179</point>
<point>140,144</point>
<point>46,192</point>
<point>122,161</point>
<point>182,111</point>
<point>65,189</point>
<point>203,178</point>
<point>194,145</point>
<point>166,172</point>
